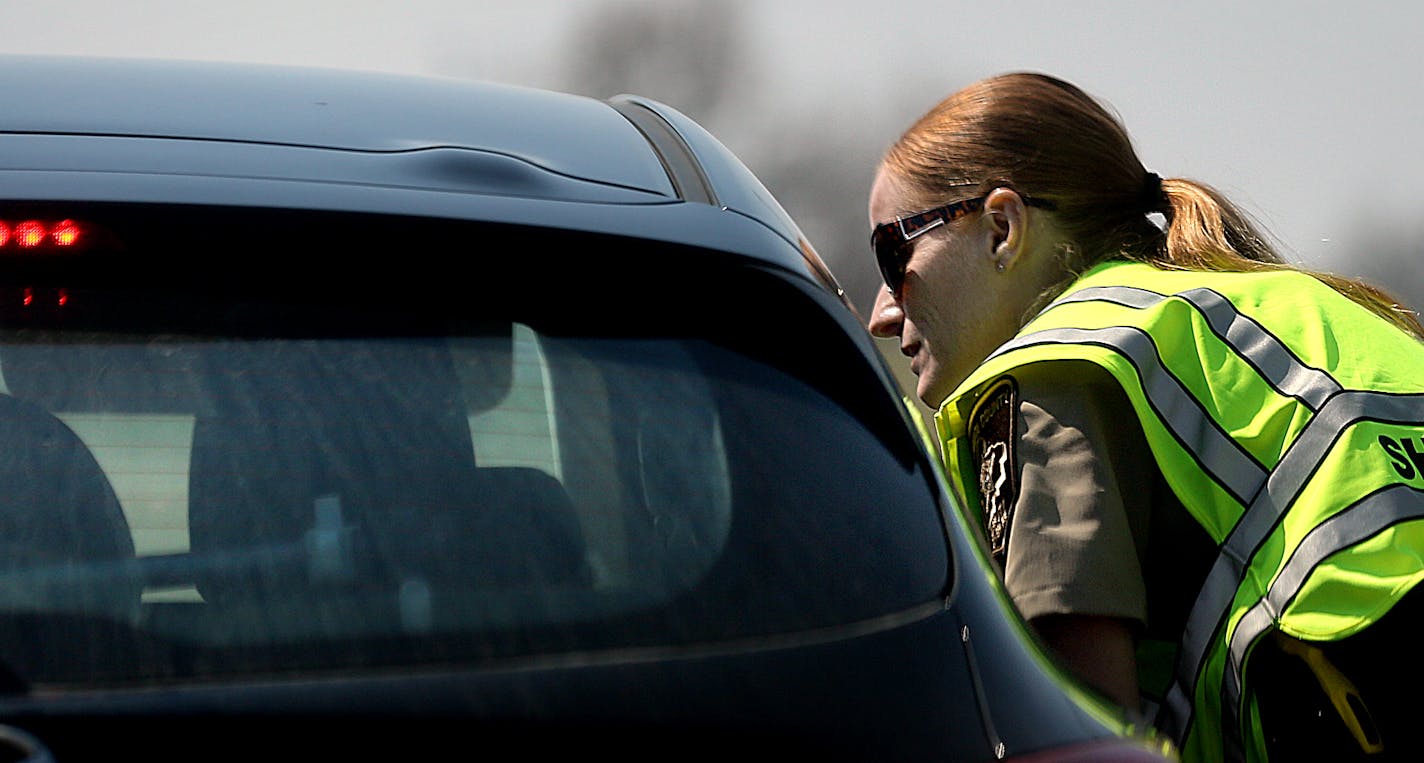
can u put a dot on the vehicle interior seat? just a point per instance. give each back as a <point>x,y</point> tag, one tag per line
<point>60,520</point>
<point>526,532</point>
<point>349,468</point>
<point>71,590</point>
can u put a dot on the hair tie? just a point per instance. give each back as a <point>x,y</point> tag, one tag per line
<point>1153,199</point>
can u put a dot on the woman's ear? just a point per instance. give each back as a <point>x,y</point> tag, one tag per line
<point>1007,217</point>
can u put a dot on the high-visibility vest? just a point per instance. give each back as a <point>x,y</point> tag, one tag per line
<point>1287,419</point>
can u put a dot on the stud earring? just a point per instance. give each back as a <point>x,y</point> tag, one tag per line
<point>999,266</point>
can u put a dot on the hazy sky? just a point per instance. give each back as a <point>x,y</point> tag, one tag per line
<point>1308,113</point>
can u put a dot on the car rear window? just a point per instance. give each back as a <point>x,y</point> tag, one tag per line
<point>243,443</point>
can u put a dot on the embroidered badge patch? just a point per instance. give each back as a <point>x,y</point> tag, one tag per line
<point>992,437</point>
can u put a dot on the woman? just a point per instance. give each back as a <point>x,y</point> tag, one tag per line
<point>1199,467</point>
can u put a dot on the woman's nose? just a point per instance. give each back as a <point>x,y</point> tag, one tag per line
<point>886,316</point>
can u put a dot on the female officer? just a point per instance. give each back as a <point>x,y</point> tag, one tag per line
<point>1201,469</point>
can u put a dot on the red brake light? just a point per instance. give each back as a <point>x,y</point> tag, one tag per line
<point>30,234</point>
<point>64,233</point>
<point>38,234</point>
<point>41,297</point>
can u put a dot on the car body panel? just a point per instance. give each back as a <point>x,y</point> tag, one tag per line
<point>442,168</point>
<point>380,113</point>
<point>953,675</point>
<point>161,131</point>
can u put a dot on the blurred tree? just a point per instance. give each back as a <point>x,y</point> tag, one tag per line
<point>686,53</point>
<point>697,56</point>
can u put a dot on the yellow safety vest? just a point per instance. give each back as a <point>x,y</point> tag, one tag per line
<point>1287,419</point>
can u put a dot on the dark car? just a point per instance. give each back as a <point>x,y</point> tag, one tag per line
<point>352,415</point>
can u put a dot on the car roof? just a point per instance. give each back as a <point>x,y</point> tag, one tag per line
<point>175,131</point>
<point>325,108</point>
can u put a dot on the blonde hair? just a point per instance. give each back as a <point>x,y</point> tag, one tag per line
<point>1048,139</point>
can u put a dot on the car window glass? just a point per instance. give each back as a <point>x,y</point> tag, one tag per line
<point>214,482</point>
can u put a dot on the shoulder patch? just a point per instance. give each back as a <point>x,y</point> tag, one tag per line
<point>993,436</point>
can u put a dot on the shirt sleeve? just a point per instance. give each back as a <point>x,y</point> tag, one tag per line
<point>1078,527</point>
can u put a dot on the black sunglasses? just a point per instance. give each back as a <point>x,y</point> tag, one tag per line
<point>891,241</point>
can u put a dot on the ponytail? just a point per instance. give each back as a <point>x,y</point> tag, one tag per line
<point>1205,231</point>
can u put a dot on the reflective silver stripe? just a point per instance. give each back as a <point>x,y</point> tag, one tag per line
<point>1305,455</point>
<point>1276,364</point>
<point>1360,522</point>
<point>1127,296</point>
<point>1220,456</point>
<point>1209,612</point>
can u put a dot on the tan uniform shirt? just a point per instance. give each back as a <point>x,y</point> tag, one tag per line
<point>1094,528</point>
